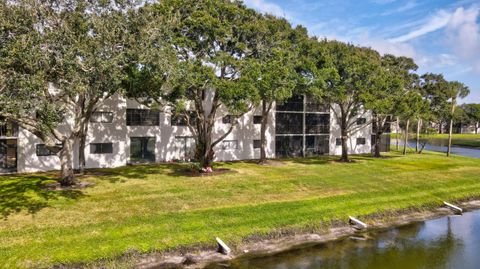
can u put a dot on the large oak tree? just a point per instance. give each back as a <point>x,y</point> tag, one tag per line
<point>210,44</point>
<point>59,60</point>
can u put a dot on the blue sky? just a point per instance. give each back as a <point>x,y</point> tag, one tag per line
<point>442,36</point>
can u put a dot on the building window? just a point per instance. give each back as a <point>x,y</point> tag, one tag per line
<point>143,117</point>
<point>338,141</point>
<point>361,141</point>
<point>257,144</point>
<point>257,119</point>
<point>313,105</point>
<point>101,117</point>
<point>142,149</point>
<point>295,103</point>
<point>289,123</point>
<point>317,145</point>
<point>230,144</point>
<point>101,148</point>
<point>288,146</point>
<point>228,119</point>
<point>317,123</point>
<point>361,121</point>
<point>181,120</point>
<point>7,128</point>
<point>43,150</point>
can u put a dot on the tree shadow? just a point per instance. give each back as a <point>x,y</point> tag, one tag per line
<point>30,193</point>
<point>313,160</point>
<point>137,171</point>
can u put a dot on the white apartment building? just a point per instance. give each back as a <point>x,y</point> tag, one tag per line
<point>123,132</point>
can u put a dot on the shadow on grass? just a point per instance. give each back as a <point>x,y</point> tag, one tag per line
<point>29,193</point>
<point>121,174</point>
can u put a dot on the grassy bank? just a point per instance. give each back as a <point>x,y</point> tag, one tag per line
<point>459,140</point>
<point>148,208</point>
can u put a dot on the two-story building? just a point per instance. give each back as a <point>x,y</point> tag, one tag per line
<point>122,132</point>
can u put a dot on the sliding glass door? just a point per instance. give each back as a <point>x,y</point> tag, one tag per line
<point>142,149</point>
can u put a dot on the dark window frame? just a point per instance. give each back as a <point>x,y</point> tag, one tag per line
<point>317,123</point>
<point>288,123</point>
<point>230,141</point>
<point>144,154</point>
<point>8,128</point>
<point>181,120</point>
<point>228,119</point>
<point>143,117</point>
<point>257,143</point>
<point>42,151</point>
<point>293,104</point>
<point>101,148</point>
<point>361,121</point>
<point>257,119</point>
<point>361,141</point>
<point>338,142</point>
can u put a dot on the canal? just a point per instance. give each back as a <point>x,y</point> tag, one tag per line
<point>440,145</point>
<point>446,242</point>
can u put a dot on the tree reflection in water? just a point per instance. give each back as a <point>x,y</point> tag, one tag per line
<point>440,243</point>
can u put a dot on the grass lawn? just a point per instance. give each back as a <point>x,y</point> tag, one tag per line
<point>156,208</point>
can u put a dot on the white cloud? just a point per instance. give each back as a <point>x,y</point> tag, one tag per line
<point>463,35</point>
<point>442,60</point>
<point>386,47</point>
<point>406,7</point>
<point>436,22</point>
<point>267,7</point>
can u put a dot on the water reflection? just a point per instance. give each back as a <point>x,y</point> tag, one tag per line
<point>448,242</point>
<point>440,145</point>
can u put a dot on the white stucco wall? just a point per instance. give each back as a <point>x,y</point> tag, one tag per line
<point>114,132</point>
<point>353,148</point>
<point>28,161</point>
<point>167,147</point>
<point>244,132</point>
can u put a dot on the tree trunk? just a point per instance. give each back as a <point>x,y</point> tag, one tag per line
<point>405,142</point>
<point>440,128</point>
<point>398,128</point>
<point>205,152</point>
<point>81,150</point>
<point>450,138</point>
<point>263,135</point>
<point>417,140</point>
<point>378,142</point>
<point>476,127</point>
<point>205,126</point>
<point>378,127</point>
<point>344,138</point>
<point>450,131</point>
<point>66,163</point>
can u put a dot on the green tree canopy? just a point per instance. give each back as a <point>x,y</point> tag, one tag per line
<point>211,48</point>
<point>59,59</point>
<point>351,73</point>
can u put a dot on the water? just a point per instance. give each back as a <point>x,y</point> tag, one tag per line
<point>441,146</point>
<point>447,242</point>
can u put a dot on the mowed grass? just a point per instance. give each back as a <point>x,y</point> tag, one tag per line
<point>147,208</point>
